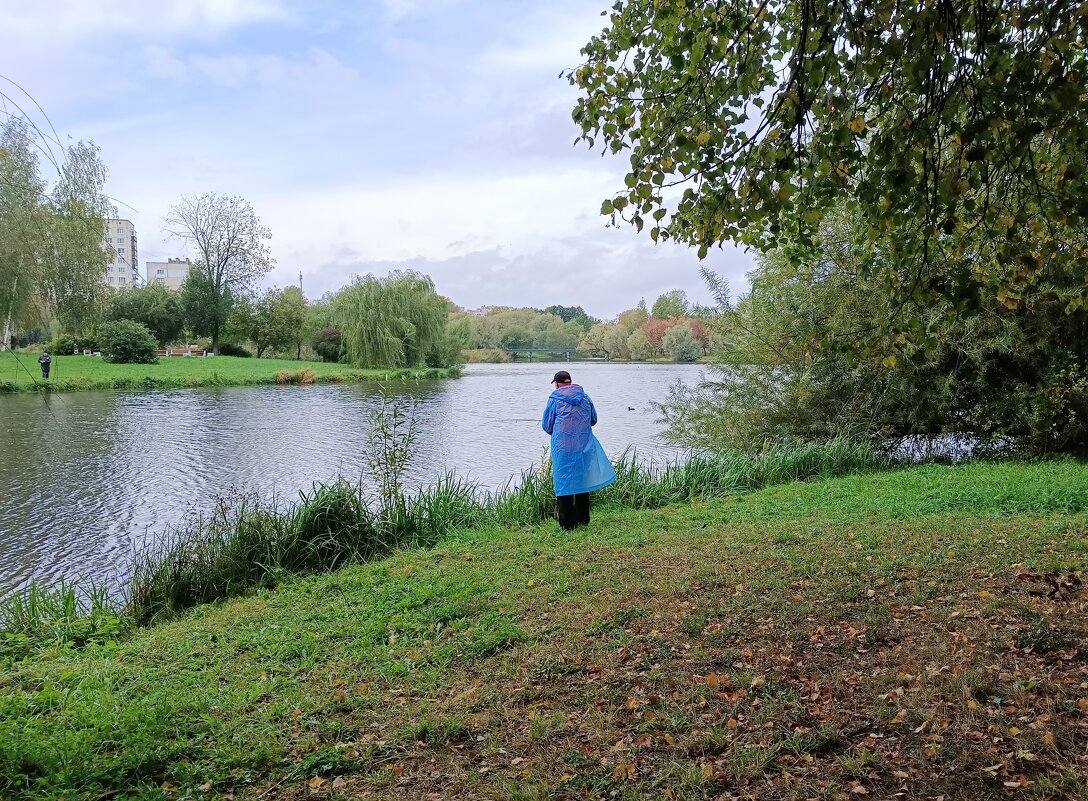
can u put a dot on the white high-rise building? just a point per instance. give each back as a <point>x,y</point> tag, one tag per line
<point>170,274</point>
<point>121,240</point>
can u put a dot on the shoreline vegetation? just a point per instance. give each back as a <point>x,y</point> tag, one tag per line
<point>721,628</point>
<point>20,373</point>
<point>500,356</point>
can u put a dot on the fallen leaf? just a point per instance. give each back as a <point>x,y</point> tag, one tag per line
<point>316,783</point>
<point>624,770</point>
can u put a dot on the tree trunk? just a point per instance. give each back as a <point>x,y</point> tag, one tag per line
<point>7,320</point>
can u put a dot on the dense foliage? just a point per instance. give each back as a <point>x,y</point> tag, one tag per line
<point>506,327</point>
<point>794,370</point>
<point>155,306</point>
<point>271,320</point>
<point>671,304</point>
<point>230,349</point>
<point>957,132</point>
<point>329,344</point>
<point>127,342</point>
<point>205,310</point>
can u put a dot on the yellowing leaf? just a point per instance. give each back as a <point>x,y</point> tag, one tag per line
<point>856,125</point>
<point>316,783</point>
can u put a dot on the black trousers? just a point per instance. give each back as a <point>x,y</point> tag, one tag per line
<point>45,372</point>
<point>573,510</point>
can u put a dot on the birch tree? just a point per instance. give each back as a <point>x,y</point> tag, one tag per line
<point>76,253</point>
<point>22,221</point>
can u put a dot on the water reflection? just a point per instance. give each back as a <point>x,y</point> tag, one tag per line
<point>86,476</point>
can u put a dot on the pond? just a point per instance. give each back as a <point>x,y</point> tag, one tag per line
<point>86,478</point>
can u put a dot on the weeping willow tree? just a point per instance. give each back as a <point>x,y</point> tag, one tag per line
<point>396,321</point>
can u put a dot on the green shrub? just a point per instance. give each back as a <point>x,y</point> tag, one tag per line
<point>127,342</point>
<point>680,343</point>
<point>230,349</point>
<point>91,342</point>
<point>329,344</point>
<point>61,344</point>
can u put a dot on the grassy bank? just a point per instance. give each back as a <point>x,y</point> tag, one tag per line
<point>20,373</point>
<point>865,636</point>
<point>244,543</point>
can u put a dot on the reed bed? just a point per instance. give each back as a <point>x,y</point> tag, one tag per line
<point>245,543</point>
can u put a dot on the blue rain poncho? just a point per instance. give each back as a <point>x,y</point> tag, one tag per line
<point>579,463</point>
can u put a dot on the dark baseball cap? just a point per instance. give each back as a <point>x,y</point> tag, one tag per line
<point>562,377</point>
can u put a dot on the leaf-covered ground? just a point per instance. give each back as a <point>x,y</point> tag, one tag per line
<point>907,635</point>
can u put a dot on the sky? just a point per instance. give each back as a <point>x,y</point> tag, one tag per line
<point>369,135</point>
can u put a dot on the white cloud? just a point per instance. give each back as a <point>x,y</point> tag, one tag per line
<point>317,72</point>
<point>64,21</point>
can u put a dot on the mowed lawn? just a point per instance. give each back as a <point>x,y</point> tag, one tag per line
<point>20,372</point>
<point>916,634</point>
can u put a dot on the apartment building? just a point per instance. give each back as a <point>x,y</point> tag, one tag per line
<point>121,239</point>
<point>170,274</point>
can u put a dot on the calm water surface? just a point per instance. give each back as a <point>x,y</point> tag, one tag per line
<point>85,478</point>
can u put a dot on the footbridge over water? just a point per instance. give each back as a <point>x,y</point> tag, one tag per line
<point>569,354</point>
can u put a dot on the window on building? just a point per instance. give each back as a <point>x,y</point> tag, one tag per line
<point>121,280</point>
<point>160,281</point>
<point>110,279</point>
<point>161,272</point>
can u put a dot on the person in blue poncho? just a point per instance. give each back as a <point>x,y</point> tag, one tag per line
<point>579,463</point>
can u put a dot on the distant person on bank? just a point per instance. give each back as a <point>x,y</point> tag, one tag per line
<point>579,463</point>
<point>44,361</point>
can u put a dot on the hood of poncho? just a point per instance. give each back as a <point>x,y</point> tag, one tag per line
<point>572,394</point>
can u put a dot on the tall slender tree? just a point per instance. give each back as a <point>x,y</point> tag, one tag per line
<point>231,248</point>
<point>22,221</point>
<point>76,254</point>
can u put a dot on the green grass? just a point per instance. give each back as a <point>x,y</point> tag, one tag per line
<point>74,373</point>
<point>865,635</point>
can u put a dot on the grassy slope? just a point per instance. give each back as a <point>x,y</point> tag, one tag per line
<point>862,636</point>
<point>87,372</point>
